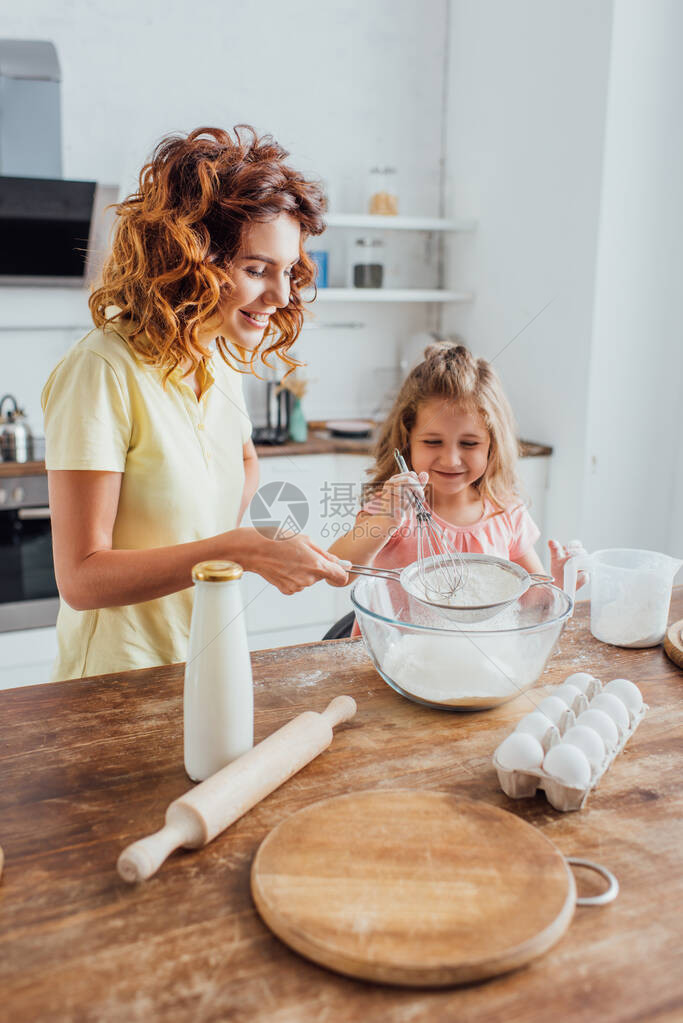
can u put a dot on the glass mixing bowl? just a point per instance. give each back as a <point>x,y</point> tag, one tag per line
<point>453,666</point>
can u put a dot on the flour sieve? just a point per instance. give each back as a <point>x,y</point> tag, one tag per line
<point>514,582</point>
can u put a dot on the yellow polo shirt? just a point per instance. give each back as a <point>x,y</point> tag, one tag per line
<point>183,475</point>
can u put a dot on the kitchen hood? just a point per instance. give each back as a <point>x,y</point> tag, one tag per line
<point>52,231</point>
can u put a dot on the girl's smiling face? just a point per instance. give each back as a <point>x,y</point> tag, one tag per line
<point>450,442</point>
<point>261,274</point>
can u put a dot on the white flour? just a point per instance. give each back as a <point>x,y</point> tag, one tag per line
<point>452,670</point>
<point>624,623</point>
<point>485,584</point>
<point>630,607</point>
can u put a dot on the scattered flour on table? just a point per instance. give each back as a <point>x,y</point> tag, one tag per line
<point>312,678</point>
<point>446,669</point>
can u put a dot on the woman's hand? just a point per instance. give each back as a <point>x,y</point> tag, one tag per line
<point>560,555</point>
<point>393,500</point>
<point>291,564</point>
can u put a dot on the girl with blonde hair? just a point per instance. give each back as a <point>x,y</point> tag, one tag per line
<point>453,425</point>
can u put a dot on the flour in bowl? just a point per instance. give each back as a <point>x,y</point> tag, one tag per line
<point>450,670</point>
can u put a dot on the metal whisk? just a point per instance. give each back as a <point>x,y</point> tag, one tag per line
<point>441,570</point>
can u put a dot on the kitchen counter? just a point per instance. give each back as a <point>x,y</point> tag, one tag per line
<point>88,766</point>
<point>319,443</point>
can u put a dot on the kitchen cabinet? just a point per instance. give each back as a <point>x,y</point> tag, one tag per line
<point>331,485</point>
<point>27,656</point>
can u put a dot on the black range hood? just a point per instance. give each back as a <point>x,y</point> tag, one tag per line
<point>49,230</point>
<point>52,231</point>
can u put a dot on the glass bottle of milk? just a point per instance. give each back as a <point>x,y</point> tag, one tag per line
<point>219,696</point>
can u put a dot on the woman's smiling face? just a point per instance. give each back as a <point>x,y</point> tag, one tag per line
<point>261,274</point>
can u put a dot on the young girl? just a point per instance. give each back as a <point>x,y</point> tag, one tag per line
<point>453,425</point>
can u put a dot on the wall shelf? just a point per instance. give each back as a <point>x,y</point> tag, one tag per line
<point>370,222</point>
<point>391,295</point>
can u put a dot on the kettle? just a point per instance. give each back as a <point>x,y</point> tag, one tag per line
<point>16,439</point>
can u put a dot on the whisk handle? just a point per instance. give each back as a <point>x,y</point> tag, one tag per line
<point>420,506</point>
<point>400,461</point>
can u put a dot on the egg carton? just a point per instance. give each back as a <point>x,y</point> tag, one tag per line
<point>565,784</point>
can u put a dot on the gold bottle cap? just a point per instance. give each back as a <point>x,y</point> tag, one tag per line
<point>216,571</point>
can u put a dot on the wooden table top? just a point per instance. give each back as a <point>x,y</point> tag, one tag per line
<point>88,766</point>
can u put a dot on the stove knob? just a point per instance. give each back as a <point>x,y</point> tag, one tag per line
<point>18,494</point>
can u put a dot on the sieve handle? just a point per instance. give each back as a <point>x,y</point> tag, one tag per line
<point>383,573</point>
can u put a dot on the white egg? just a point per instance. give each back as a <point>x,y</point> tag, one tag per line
<point>602,723</point>
<point>584,681</point>
<point>569,694</point>
<point>538,725</point>
<point>628,693</point>
<point>568,764</point>
<point>553,707</point>
<point>589,742</point>
<point>519,752</point>
<point>613,706</point>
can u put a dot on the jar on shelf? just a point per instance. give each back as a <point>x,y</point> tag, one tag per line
<point>383,191</point>
<point>368,263</point>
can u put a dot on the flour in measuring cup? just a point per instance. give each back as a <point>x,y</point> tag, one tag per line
<point>636,619</point>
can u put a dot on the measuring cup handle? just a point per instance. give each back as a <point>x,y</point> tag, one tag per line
<point>572,567</point>
<point>604,897</point>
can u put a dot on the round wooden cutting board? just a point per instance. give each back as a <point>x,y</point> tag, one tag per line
<point>673,643</point>
<point>412,887</point>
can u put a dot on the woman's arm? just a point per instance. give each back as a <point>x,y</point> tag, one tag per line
<point>251,475</point>
<point>90,574</point>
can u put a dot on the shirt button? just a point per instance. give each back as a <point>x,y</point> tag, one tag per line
<point>200,426</point>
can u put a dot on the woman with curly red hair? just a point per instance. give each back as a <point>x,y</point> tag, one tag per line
<point>148,450</point>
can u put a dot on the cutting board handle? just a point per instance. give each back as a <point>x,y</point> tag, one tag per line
<point>604,897</point>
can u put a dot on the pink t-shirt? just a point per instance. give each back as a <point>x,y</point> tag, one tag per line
<point>508,534</point>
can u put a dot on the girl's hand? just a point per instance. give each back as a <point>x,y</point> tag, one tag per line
<point>294,563</point>
<point>560,555</point>
<point>393,500</point>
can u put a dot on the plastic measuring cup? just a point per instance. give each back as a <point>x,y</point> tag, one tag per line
<point>630,594</point>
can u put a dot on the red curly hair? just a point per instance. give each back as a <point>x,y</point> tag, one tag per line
<point>177,236</point>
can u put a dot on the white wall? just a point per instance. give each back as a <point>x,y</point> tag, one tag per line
<point>342,86</point>
<point>635,421</point>
<point>525,136</point>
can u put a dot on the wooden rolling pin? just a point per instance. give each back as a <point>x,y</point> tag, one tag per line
<point>199,815</point>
